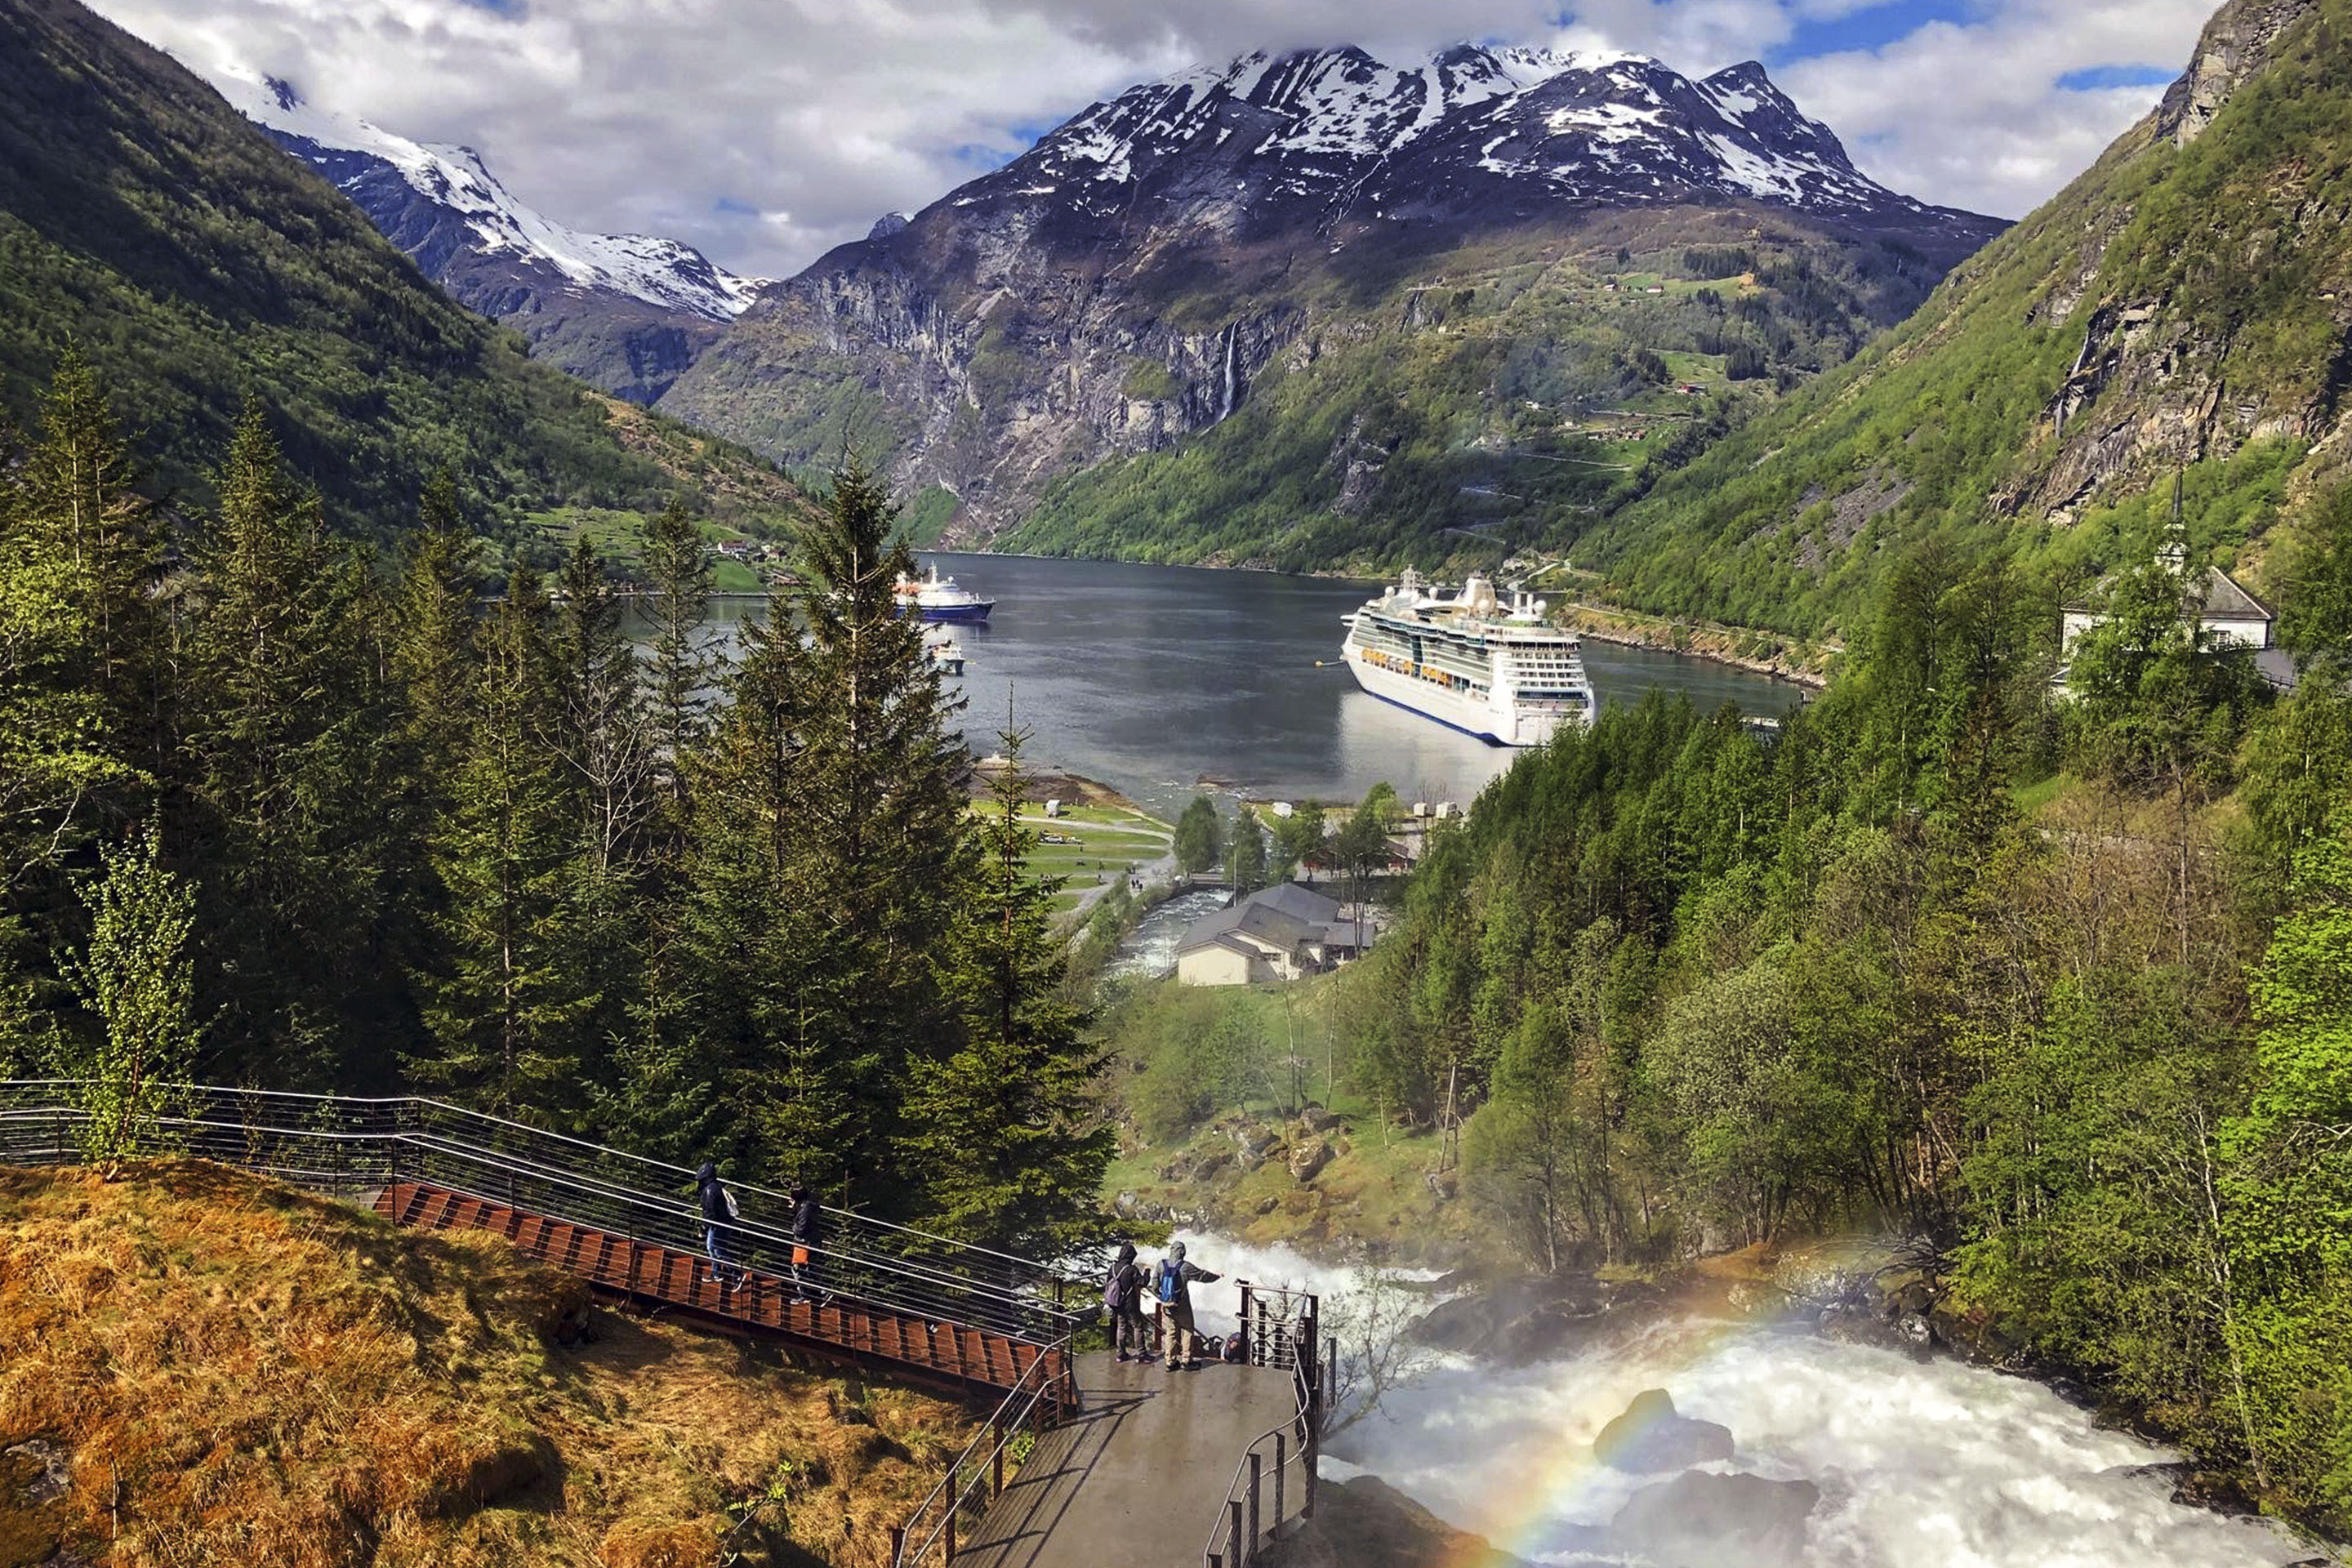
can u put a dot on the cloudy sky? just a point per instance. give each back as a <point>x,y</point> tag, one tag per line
<point>766,131</point>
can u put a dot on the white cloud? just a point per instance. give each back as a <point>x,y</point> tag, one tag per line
<point>767,133</point>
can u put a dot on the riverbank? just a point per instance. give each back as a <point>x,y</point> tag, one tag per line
<point>1760,653</point>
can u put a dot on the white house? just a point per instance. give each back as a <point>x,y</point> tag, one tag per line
<point>2223,610</point>
<point>1280,933</point>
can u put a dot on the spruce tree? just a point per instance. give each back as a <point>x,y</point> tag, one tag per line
<point>679,659</point>
<point>881,832</point>
<point>284,726</point>
<point>748,926</point>
<point>80,483</point>
<point>504,997</point>
<point>604,740</point>
<point>1200,837</point>
<point>432,637</point>
<point>1249,853</point>
<point>1005,1132</point>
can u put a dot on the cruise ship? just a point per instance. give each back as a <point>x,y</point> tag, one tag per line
<point>937,598</point>
<point>1490,669</point>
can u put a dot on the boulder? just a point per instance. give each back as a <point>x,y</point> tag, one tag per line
<point>1701,1521</point>
<point>1364,1523</point>
<point>1520,1320</point>
<point>1212,1166</point>
<point>1315,1118</point>
<point>1650,1438</point>
<point>1308,1160</point>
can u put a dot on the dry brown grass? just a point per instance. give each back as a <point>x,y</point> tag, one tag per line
<point>246,1374</point>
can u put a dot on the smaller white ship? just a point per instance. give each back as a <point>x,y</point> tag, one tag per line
<point>937,598</point>
<point>1500,672</point>
<point>945,652</point>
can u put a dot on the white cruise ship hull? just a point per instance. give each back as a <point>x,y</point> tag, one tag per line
<point>1495,718</point>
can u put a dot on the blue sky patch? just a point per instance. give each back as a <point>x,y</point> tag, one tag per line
<point>2098,78</point>
<point>1872,27</point>
<point>733,208</point>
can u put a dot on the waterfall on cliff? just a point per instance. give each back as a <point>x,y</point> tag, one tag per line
<point>1232,340</point>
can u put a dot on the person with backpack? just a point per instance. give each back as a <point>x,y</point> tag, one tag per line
<point>808,1231</point>
<point>718,1235</point>
<point>1123,1294</point>
<point>1172,1283</point>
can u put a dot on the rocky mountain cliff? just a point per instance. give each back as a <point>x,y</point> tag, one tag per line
<point>1141,274</point>
<point>2184,307</point>
<point>626,313</point>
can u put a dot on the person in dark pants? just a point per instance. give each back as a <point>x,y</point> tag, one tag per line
<point>1123,1294</point>
<point>1172,1282</point>
<point>808,1235</point>
<point>718,1235</point>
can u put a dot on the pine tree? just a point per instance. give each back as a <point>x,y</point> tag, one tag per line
<point>881,828</point>
<point>432,652</point>
<point>1199,835</point>
<point>606,746</point>
<point>506,999</point>
<point>1004,1133</point>
<point>749,925</point>
<point>1249,853</point>
<point>82,511</point>
<point>679,660</point>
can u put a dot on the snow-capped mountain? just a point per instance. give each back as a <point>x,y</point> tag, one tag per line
<point>1143,271</point>
<point>1350,135</point>
<point>626,311</point>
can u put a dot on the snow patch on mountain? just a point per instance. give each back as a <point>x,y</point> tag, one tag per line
<point>1341,128</point>
<point>662,272</point>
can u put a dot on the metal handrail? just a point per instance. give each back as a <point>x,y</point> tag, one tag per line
<point>988,1468</point>
<point>849,1217</point>
<point>1295,1344</point>
<point>250,1127</point>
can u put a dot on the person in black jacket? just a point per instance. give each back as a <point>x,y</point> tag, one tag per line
<point>1123,1294</point>
<point>808,1234</point>
<point>718,1235</point>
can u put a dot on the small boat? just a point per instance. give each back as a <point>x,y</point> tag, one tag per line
<point>945,652</point>
<point>937,598</point>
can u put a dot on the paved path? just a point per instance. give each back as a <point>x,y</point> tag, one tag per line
<point>1138,1479</point>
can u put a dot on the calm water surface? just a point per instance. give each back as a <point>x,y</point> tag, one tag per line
<point>1161,680</point>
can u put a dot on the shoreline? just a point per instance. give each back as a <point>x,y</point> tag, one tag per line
<point>1704,641</point>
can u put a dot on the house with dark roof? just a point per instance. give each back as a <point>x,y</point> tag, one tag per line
<point>1278,933</point>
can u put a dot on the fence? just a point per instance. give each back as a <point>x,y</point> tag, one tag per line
<point>1038,1403</point>
<point>355,1146</point>
<point>1280,1328</point>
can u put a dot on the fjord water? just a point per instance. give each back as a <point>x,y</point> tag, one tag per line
<point>1154,679</point>
<point>1921,1463</point>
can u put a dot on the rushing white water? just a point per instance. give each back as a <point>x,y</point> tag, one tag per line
<point>1921,1464</point>
<point>1150,951</point>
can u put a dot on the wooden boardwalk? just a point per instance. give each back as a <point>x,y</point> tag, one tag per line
<point>951,1357</point>
<point>1138,1477</point>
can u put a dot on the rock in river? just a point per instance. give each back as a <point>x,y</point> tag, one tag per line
<point>1651,1438</point>
<point>1702,1521</point>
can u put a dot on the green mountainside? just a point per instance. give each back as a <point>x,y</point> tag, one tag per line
<point>1487,391</point>
<point>195,264</point>
<point>2183,306</point>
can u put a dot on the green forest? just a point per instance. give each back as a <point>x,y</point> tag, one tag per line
<point>277,810</point>
<point>2063,985</point>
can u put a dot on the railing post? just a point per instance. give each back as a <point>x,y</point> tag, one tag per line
<point>1281,1454</point>
<point>1248,1330</point>
<point>952,1503</point>
<point>898,1546</point>
<point>1257,1479</point>
<point>996,1429</point>
<point>1235,1552</point>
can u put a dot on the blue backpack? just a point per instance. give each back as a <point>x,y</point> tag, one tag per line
<point>1172,1280</point>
